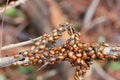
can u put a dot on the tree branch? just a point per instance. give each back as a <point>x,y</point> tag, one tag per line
<point>20,44</point>
<point>7,61</point>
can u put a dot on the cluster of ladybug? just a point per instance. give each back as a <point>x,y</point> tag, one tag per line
<point>79,54</point>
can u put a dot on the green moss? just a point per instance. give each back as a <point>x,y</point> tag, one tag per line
<point>26,70</point>
<point>13,12</point>
<point>101,39</point>
<point>78,26</point>
<point>114,65</point>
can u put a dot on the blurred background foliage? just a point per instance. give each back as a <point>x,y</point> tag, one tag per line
<point>36,17</point>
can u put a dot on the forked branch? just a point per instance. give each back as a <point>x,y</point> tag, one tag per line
<point>79,54</point>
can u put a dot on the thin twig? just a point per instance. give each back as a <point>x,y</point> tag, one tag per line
<point>94,22</point>
<point>90,12</point>
<point>101,72</point>
<point>3,17</point>
<point>16,3</point>
<point>20,44</point>
<point>42,67</point>
<point>99,20</point>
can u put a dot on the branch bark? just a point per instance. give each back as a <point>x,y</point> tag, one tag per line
<point>7,61</point>
<point>20,44</point>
